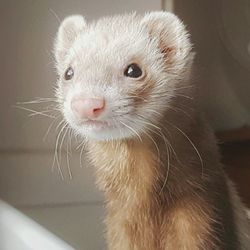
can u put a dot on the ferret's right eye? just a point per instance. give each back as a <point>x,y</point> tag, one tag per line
<point>69,73</point>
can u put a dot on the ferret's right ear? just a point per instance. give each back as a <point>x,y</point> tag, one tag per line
<point>68,31</point>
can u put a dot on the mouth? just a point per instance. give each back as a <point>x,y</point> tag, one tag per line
<point>96,125</point>
<point>104,129</point>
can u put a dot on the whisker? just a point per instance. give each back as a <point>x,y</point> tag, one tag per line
<point>42,113</point>
<point>148,123</point>
<point>160,95</point>
<point>158,154</point>
<point>191,142</point>
<point>156,146</point>
<point>185,87</point>
<point>131,129</point>
<point>62,141</point>
<point>181,110</point>
<point>168,167</point>
<point>34,112</point>
<point>56,159</point>
<point>55,15</point>
<point>151,138</point>
<point>70,141</point>
<point>83,146</point>
<point>59,124</point>
<point>38,101</point>
<point>156,112</point>
<point>162,135</point>
<point>172,148</point>
<point>67,157</point>
<point>79,146</point>
<point>49,128</point>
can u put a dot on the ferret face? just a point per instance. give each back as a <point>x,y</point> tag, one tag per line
<point>117,76</point>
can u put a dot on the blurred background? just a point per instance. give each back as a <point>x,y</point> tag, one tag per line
<point>68,203</point>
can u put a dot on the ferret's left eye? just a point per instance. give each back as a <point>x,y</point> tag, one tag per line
<point>69,73</point>
<point>133,71</point>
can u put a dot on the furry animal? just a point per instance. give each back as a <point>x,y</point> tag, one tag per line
<point>125,84</point>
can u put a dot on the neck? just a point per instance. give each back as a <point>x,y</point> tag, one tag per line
<point>144,179</point>
<point>160,165</point>
<point>124,165</point>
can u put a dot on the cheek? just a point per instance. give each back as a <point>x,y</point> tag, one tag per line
<point>65,88</point>
<point>141,91</point>
<point>64,94</point>
<point>66,106</point>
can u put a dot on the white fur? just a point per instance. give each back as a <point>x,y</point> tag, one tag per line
<point>99,53</point>
<point>69,29</point>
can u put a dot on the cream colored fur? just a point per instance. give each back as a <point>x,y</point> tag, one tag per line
<point>155,157</point>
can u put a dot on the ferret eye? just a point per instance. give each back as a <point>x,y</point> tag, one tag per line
<point>69,73</point>
<point>133,71</point>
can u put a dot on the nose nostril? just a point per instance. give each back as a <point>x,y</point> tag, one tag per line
<point>96,110</point>
<point>88,108</point>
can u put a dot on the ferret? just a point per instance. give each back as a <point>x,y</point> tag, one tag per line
<point>126,86</point>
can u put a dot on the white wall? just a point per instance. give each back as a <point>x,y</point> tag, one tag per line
<point>27,32</point>
<point>70,208</point>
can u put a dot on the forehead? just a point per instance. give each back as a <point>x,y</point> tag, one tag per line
<point>122,38</point>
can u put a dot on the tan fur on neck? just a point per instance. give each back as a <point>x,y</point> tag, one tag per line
<point>137,218</point>
<point>188,226</point>
<point>127,175</point>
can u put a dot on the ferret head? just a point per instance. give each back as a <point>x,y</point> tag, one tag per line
<point>117,76</point>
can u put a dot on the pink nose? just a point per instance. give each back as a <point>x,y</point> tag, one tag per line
<point>87,108</point>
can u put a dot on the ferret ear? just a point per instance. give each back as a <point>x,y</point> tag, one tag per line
<point>68,31</point>
<point>170,33</point>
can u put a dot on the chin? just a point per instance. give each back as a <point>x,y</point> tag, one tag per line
<point>102,132</point>
<point>106,135</point>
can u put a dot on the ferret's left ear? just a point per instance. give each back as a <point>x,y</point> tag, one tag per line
<point>170,33</point>
<point>68,31</point>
